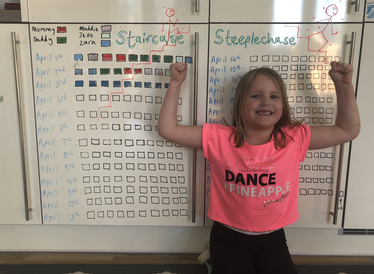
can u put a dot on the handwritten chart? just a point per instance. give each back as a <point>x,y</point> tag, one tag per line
<point>98,92</point>
<point>301,54</point>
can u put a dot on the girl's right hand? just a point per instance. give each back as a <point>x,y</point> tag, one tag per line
<point>178,72</point>
<point>168,127</point>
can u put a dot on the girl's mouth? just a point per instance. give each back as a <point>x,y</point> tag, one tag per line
<point>264,112</point>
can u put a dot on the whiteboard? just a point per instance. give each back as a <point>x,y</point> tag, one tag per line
<point>98,91</point>
<point>359,211</point>
<point>274,11</point>
<point>118,11</point>
<point>303,63</point>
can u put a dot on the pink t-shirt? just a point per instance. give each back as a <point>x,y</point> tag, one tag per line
<point>254,188</point>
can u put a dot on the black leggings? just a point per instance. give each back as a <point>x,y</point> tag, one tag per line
<point>233,252</point>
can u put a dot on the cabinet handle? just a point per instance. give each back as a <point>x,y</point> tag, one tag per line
<point>338,179</point>
<point>196,74</point>
<point>20,124</point>
<point>337,190</point>
<point>352,49</point>
<point>357,4</point>
<point>197,6</point>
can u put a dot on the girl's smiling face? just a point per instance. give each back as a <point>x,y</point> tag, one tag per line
<point>263,104</point>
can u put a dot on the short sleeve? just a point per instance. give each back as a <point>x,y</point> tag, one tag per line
<point>207,136</point>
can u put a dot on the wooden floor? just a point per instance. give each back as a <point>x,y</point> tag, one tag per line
<point>154,258</point>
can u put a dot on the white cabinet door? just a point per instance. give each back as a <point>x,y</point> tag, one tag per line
<point>303,63</point>
<point>359,209</point>
<point>286,11</point>
<point>12,197</point>
<point>98,93</point>
<point>120,11</point>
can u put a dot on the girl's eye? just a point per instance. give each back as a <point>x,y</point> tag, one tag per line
<point>274,96</point>
<point>254,96</point>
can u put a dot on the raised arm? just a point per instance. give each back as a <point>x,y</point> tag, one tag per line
<point>168,128</point>
<point>347,123</point>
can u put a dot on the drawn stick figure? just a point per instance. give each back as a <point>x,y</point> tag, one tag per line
<point>170,12</point>
<point>317,40</point>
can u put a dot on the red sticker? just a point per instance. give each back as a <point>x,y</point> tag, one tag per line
<point>121,57</point>
<point>107,57</point>
<point>61,29</point>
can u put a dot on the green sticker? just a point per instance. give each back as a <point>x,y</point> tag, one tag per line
<point>61,40</point>
<point>133,58</point>
<point>117,71</point>
<point>104,71</point>
<point>144,58</point>
<point>156,58</point>
<point>168,59</point>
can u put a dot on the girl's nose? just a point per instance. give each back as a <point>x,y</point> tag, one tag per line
<point>265,101</point>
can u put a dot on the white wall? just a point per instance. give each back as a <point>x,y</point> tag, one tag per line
<point>27,238</point>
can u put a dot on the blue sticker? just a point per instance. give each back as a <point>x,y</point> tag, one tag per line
<point>105,43</point>
<point>78,71</point>
<point>188,59</point>
<point>78,57</point>
<point>92,71</point>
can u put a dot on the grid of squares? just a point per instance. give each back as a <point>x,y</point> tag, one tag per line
<point>124,71</point>
<point>123,174</point>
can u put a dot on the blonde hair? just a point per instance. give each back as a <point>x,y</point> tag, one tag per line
<point>287,119</point>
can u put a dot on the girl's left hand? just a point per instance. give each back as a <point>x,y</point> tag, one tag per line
<point>341,72</point>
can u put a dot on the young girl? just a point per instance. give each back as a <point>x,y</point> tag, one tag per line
<point>255,165</point>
